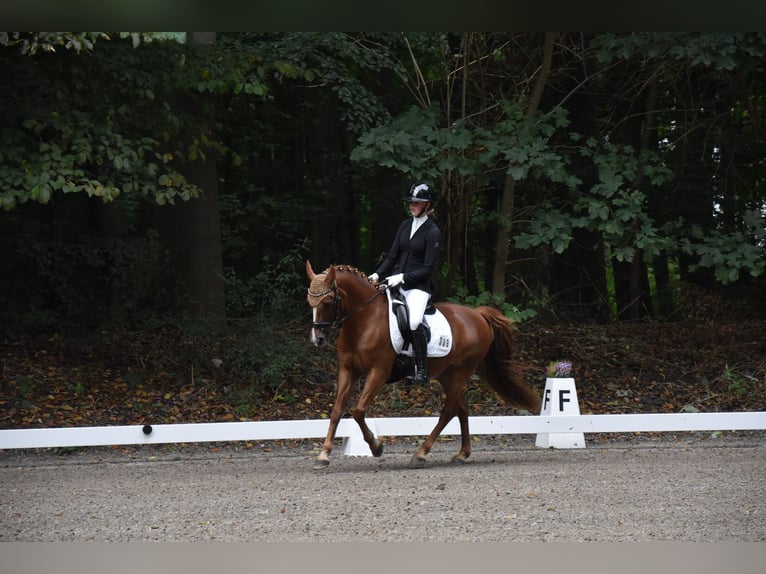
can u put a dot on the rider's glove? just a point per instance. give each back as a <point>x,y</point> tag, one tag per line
<point>374,277</point>
<point>395,280</point>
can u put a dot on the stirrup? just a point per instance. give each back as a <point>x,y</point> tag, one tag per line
<point>420,378</point>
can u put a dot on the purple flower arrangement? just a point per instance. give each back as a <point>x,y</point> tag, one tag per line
<point>559,369</point>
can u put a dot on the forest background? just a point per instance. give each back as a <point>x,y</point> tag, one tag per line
<point>161,193</point>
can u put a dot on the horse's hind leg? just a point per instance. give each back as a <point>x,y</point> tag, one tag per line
<point>465,437</point>
<point>376,445</point>
<point>421,455</point>
<point>454,405</point>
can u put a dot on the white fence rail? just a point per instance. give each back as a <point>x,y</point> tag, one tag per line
<point>404,426</point>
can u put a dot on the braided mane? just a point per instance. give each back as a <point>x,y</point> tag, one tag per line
<point>350,269</point>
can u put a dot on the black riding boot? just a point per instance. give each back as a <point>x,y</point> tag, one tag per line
<point>419,345</point>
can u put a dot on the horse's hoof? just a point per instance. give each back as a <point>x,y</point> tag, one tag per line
<point>460,458</point>
<point>418,461</point>
<point>377,452</point>
<point>321,464</point>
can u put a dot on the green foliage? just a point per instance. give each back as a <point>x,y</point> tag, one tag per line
<point>418,146</point>
<point>26,386</point>
<point>77,123</point>
<point>613,206</point>
<point>719,50</point>
<point>104,117</point>
<point>626,207</point>
<point>262,353</point>
<point>29,43</point>
<point>69,163</point>
<point>549,226</point>
<point>413,144</point>
<point>523,146</point>
<point>730,253</point>
<point>738,384</point>
<point>347,65</point>
<point>121,119</point>
<point>277,290</point>
<point>497,300</point>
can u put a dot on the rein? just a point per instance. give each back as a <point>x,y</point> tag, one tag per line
<point>337,322</point>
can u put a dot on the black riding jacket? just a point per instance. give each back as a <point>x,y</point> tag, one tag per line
<point>415,257</point>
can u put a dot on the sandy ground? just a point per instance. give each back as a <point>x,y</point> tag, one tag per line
<point>692,487</point>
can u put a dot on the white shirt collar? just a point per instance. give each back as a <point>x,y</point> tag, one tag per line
<point>417,222</point>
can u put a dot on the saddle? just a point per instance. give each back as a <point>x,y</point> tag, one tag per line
<point>438,334</point>
<point>402,314</point>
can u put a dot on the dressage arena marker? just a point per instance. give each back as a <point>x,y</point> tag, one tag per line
<point>398,426</point>
<point>559,399</point>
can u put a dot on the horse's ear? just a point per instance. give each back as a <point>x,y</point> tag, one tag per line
<point>330,275</point>
<point>310,271</point>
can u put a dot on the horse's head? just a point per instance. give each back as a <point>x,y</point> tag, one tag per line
<point>323,298</point>
<point>336,295</point>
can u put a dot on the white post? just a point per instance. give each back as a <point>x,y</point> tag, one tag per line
<point>560,399</point>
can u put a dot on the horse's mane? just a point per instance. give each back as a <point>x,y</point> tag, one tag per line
<point>352,270</point>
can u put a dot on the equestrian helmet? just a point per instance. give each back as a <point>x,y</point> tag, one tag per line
<point>420,192</point>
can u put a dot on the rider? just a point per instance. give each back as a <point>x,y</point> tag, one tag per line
<point>412,257</point>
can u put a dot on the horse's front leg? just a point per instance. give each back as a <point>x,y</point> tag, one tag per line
<point>345,380</point>
<point>375,380</point>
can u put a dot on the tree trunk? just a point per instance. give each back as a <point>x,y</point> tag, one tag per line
<point>578,280</point>
<point>631,279</point>
<point>509,187</point>
<point>452,218</point>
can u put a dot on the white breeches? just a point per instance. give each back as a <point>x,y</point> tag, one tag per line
<point>416,303</point>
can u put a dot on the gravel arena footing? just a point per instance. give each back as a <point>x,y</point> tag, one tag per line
<point>692,487</point>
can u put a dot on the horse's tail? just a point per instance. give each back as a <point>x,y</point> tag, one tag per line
<point>499,371</point>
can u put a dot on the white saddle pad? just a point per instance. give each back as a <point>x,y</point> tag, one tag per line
<point>440,343</point>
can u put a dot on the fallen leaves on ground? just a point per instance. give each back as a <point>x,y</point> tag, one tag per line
<point>618,368</point>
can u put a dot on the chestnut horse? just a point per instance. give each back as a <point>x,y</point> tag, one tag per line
<point>344,298</point>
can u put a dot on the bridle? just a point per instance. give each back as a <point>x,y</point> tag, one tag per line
<point>324,325</point>
<point>337,322</point>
